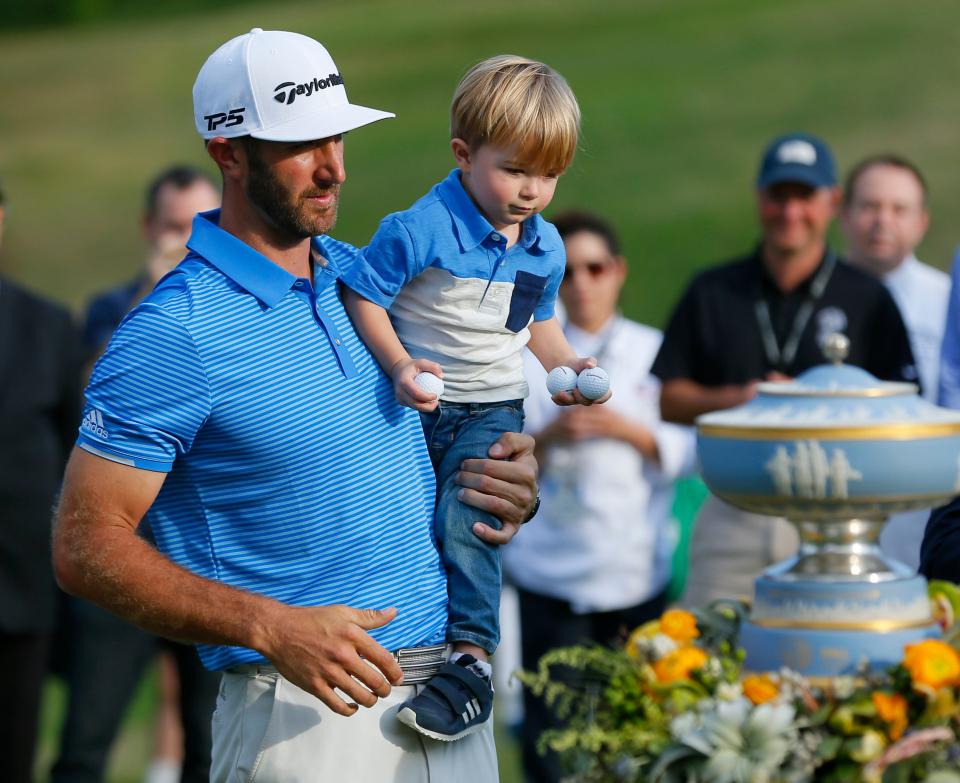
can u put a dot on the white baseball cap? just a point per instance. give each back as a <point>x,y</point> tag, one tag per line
<point>276,86</point>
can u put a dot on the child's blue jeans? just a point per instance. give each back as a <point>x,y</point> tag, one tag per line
<point>456,431</point>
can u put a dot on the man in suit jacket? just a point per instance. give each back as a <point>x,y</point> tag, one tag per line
<point>39,411</point>
<point>940,550</point>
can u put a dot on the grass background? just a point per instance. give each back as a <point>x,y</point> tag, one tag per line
<point>678,99</point>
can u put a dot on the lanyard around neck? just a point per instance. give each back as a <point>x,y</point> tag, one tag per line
<point>782,358</point>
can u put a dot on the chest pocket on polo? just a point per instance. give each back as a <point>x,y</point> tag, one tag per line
<point>527,291</point>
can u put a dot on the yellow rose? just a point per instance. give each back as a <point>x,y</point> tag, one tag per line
<point>932,664</point>
<point>760,688</point>
<point>679,625</point>
<point>678,664</point>
<point>892,710</point>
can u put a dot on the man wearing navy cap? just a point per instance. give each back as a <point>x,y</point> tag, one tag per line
<point>764,317</point>
<point>289,495</point>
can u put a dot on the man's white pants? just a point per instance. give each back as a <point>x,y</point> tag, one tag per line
<point>267,730</point>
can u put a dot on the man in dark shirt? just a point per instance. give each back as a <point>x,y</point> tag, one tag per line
<point>765,317</point>
<point>40,409</point>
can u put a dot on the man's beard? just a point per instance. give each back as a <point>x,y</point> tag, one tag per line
<point>292,215</point>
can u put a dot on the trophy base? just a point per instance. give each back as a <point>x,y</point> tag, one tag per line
<point>821,628</point>
<point>816,652</point>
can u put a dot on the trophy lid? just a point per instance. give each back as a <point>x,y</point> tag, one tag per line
<point>837,379</point>
<point>833,395</point>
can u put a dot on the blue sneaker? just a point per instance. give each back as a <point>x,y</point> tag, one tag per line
<point>456,702</point>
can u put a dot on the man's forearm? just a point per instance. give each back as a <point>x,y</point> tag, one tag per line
<point>109,565</point>
<point>682,400</point>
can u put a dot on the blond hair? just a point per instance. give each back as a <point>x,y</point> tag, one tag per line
<point>510,101</point>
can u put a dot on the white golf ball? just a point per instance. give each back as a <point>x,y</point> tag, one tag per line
<point>593,383</point>
<point>561,379</point>
<point>429,382</point>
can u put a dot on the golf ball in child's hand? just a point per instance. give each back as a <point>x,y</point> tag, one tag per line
<point>593,383</point>
<point>561,379</point>
<point>429,382</point>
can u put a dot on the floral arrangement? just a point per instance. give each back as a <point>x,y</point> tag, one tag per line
<point>675,705</point>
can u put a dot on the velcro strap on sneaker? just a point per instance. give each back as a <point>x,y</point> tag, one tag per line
<point>458,697</point>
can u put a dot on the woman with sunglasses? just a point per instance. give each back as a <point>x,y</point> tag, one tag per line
<point>597,561</point>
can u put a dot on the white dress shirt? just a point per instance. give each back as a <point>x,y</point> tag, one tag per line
<point>602,539</point>
<point>921,292</point>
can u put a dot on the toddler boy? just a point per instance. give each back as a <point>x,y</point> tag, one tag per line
<point>469,275</point>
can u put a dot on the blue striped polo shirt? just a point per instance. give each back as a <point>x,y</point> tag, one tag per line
<point>292,471</point>
<point>457,295</point>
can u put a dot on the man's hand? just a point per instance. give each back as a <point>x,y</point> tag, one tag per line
<point>582,423</point>
<point>574,397</point>
<point>682,400</point>
<point>405,388</point>
<point>504,485</point>
<point>579,424</point>
<point>777,377</point>
<point>319,648</point>
<point>98,555</point>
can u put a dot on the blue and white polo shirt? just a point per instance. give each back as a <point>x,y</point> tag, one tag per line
<point>457,295</point>
<point>292,471</point>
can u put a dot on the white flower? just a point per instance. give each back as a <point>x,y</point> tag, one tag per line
<point>843,687</point>
<point>661,645</point>
<point>728,691</point>
<point>733,712</point>
<point>741,743</point>
<point>713,667</point>
<point>773,718</point>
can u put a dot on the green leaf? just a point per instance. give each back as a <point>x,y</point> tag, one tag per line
<point>827,750</point>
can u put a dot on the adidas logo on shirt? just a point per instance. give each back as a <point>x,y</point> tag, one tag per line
<point>93,422</point>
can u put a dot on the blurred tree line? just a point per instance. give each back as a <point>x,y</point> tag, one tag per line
<point>49,13</point>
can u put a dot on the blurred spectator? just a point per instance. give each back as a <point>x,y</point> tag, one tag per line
<point>40,409</point>
<point>172,199</point>
<point>597,561</point>
<point>764,317</point>
<point>108,655</point>
<point>949,387</point>
<point>884,218</point>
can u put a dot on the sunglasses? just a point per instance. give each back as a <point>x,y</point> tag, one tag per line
<point>593,268</point>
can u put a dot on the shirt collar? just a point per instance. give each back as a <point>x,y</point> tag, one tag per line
<point>769,286</point>
<point>471,226</point>
<point>902,271</point>
<point>252,271</point>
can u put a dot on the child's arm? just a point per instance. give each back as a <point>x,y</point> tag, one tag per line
<point>550,346</point>
<point>373,324</point>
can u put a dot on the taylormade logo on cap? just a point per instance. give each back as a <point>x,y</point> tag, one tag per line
<point>258,84</point>
<point>307,88</point>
